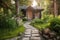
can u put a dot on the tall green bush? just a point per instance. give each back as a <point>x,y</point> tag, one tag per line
<point>9,27</point>
<point>6,22</point>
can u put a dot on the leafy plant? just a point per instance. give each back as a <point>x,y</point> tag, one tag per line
<point>38,21</point>
<point>9,27</point>
<point>55,25</point>
<point>24,19</point>
<point>6,22</point>
<point>42,23</point>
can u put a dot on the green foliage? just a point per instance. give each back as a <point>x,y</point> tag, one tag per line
<point>24,19</point>
<point>40,25</point>
<point>47,18</point>
<point>6,22</point>
<point>43,22</point>
<point>44,19</point>
<point>25,2</point>
<point>48,22</point>
<point>55,25</point>
<point>10,33</point>
<point>37,21</point>
<point>9,27</point>
<point>46,5</point>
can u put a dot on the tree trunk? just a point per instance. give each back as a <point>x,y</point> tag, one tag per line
<point>17,12</point>
<point>55,8</point>
<point>17,7</point>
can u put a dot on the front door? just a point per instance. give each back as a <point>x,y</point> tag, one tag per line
<point>29,15</point>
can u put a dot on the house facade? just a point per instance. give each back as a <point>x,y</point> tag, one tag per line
<point>32,12</point>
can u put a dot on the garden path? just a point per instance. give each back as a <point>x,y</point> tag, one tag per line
<point>31,33</point>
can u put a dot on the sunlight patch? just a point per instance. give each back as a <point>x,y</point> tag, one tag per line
<point>34,3</point>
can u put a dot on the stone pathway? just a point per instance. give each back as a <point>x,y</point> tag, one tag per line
<point>31,33</point>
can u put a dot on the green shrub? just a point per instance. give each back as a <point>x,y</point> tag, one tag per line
<point>41,26</point>
<point>55,25</point>
<point>37,21</point>
<point>47,22</point>
<point>6,22</point>
<point>42,23</point>
<point>10,33</point>
<point>24,19</point>
<point>47,18</point>
<point>9,27</point>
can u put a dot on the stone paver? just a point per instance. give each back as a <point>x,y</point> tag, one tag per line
<point>35,38</point>
<point>27,35</point>
<point>25,38</point>
<point>28,32</point>
<point>35,35</point>
<point>35,31</point>
<point>31,33</point>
